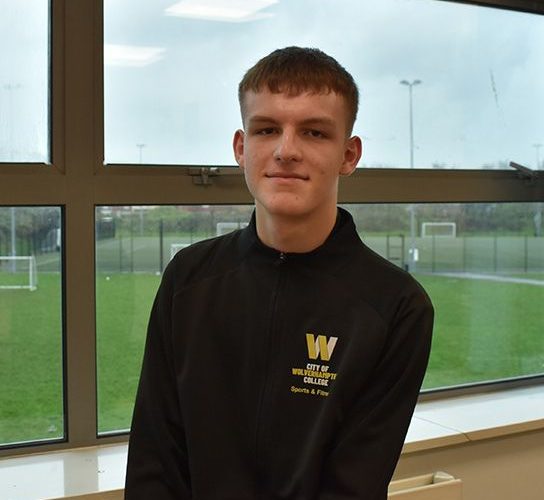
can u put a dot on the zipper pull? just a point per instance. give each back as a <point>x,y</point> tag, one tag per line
<point>282,258</point>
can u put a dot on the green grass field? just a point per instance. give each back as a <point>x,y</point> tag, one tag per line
<point>484,330</point>
<point>123,306</point>
<point>31,362</point>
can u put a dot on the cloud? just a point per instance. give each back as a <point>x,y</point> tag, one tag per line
<point>131,55</point>
<point>233,11</point>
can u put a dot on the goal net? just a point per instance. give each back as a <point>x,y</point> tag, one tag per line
<point>439,229</point>
<point>227,227</point>
<point>176,247</point>
<point>221,228</point>
<point>18,272</point>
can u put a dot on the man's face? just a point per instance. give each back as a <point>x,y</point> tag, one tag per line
<point>293,150</point>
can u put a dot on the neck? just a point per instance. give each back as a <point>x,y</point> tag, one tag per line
<point>294,234</point>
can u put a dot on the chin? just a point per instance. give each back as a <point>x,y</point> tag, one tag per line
<point>286,209</point>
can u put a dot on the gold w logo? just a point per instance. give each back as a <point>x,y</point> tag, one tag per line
<point>320,346</point>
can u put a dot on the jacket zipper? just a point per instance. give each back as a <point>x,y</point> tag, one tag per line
<point>282,258</point>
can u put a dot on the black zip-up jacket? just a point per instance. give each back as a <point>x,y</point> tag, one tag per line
<point>278,376</point>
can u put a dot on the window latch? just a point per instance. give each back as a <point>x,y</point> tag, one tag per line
<point>202,176</point>
<point>524,172</point>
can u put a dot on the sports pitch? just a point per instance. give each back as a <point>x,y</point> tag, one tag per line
<point>484,329</point>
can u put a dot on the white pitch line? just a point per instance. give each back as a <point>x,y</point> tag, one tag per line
<point>45,262</point>
<point>492,277</point>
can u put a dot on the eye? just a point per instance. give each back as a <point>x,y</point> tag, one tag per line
<point>265,131</point>
<point>316,134</point>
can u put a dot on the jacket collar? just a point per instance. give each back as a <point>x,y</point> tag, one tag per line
<point>339,241</point>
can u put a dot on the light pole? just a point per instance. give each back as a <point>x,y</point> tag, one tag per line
<point>538,210</point>
<point>140,148</point>
<point>412,260</point>
<point>10,87</point>
<point>13,240</point>
<point>537,147</point>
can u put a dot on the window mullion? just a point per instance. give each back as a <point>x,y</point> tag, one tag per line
<point>82,43</point>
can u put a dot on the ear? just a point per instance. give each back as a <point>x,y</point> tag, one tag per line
<point>352,154</point>
<point>238,147</point>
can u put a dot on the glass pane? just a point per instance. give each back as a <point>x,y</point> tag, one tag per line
<point>24,81</point>
<point>31,367</point>
<point>172,70</point>
<point>482,265</point>
<point>133,245</point>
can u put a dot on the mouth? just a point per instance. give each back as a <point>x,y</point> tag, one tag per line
<point>287,176</point>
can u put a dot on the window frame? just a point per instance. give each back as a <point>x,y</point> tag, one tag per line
<point>77,180</point>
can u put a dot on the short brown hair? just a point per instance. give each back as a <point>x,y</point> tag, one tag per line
<point>295,70</point>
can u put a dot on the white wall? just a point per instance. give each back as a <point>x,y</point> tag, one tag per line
<point>505,468</point>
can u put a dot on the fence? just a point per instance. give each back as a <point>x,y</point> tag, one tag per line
<point>131,252</point>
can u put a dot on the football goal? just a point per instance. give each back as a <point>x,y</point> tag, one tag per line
<point>439,229</point>
<point>176,247</point>
<point>18,272</point>
<point>227,227</point>
<point>221,228</point>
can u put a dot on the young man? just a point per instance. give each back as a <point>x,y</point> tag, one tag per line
<point>283,361</point>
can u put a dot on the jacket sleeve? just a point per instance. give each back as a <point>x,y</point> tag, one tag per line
<point>157,458</point>
<point>364,454</point>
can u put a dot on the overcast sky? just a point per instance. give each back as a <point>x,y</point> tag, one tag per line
<point>172,69</point>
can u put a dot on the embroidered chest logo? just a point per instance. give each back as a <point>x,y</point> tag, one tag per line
<point>319,348</point>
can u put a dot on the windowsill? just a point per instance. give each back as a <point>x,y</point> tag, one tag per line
<point>462,419</point>
<point>436,424</point>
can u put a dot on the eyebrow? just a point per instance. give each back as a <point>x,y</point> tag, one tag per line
<point>313,121</point>
<point>319,121</point>
<point>260,119</point>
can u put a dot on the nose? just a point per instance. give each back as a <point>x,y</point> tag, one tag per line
<point>287,147</point>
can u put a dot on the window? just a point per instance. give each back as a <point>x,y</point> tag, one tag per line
<point>129,262</point>
<point>133,246</point>
<point>31,364</point>
<point>477,107</point>
<point>24,78</point>
<point>172,70</point>
<point>481,263</point>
